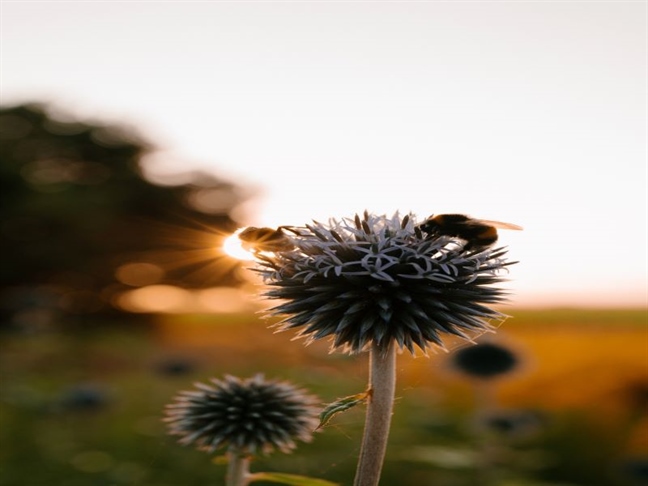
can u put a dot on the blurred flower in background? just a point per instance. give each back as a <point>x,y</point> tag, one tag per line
<point>484,361</point>
<point>246,416</point>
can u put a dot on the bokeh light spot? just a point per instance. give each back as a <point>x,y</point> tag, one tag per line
<point>155,298</point>
<point>223,299</point>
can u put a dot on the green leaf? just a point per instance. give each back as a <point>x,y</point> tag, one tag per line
<point>290,479</point>
<point>341,405</point>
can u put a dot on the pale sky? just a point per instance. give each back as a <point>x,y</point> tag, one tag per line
<point>533,113</point>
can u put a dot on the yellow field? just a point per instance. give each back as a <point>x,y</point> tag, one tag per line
<point>589,363</point>
<point>588,360</point>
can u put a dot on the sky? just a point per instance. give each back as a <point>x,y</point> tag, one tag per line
<point>533,113</point>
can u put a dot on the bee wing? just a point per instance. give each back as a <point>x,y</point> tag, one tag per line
<point>500,224</point>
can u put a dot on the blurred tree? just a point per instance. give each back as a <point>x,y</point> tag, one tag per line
<point>80,223</point>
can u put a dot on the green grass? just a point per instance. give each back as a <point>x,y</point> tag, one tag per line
<point>122,441</point>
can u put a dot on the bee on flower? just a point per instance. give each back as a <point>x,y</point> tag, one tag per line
<point>382,280</point>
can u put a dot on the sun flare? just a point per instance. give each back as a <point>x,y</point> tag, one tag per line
<point>234,247</point>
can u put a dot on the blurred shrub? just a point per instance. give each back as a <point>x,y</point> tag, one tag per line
<point>80,223</point>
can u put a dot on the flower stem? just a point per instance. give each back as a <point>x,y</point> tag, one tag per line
<point>382,383</point>
<point>238,469</point>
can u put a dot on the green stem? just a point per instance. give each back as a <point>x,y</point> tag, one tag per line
<point>238,469</point>
<point>382,384</point>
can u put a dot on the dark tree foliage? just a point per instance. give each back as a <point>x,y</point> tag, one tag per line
<point>76,208</point>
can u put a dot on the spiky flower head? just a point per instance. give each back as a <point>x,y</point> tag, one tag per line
<point>381,280</point>
<point>246,416</point>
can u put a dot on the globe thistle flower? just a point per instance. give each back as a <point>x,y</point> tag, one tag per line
<point>485,360</point>
<point>377,280</point>
<point>246,416</point>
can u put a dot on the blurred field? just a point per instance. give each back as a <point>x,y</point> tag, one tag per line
<point>82,406</point>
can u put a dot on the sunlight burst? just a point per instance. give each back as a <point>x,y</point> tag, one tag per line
<point>234,247</point>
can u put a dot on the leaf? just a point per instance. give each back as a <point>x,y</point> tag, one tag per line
<point>341,405</point>
<point>290,479</point>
